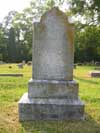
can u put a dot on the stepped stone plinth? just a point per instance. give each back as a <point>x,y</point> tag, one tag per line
<point>52,92</point>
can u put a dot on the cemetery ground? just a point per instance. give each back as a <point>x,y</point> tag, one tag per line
<point>12,88</point>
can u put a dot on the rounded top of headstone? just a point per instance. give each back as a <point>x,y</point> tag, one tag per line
<point>55,15</point>
<point>55,11</point>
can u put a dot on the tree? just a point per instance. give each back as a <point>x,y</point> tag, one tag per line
<point>23,27</point>
<point>3,45</point>
<point>8,20</point>
<point>87,44</point>
<point>16,31</point>
<point>12,46</point>
<point>6,30</point>
<point>19,37</point>
<point>87,38</point>
<point>88,9</point>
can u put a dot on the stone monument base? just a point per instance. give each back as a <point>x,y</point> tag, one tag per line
<point>50,109</point>
<point>53,89</point>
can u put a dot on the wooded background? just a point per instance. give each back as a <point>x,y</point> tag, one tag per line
<point>16,29</point>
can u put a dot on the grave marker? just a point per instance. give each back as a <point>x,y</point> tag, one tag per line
<point>52,92</point>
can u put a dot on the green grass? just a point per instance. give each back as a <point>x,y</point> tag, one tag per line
<point>12,88</point>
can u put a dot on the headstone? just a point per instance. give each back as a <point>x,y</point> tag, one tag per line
<point>95,74</point>
<point>97,63</point>
<point>1,62</point>
<point>20,66</point>
<point>52,92</point>
<point>23,62</point>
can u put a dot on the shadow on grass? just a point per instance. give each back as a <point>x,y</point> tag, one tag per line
<point>86,126</point>
<point>85,80</point>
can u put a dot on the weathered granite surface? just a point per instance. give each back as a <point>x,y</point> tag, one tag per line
<point>53,47</point>
<point>52,92</point>
<point>50,109</point>
<point>52,89</point>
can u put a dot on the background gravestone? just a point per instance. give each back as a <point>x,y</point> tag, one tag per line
<point>95,74</point>
<point>97,64</point>
<point>52,92</point>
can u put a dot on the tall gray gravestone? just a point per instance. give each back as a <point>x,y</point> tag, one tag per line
<point>52,92</point>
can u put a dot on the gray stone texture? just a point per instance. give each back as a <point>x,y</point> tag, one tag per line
<point>52,47</point>
<point>50,109</point>
<point>52,89</point>
<point>52,92</point>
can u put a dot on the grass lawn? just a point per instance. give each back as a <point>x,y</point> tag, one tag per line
<point>12,88</point>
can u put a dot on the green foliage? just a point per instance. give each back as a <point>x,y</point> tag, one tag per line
<point>87,38</point>
<point>3,44</point>
<point>11,46</point>
<point>21,40</point>
<point>87,44</point>
<point>88,9</point>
